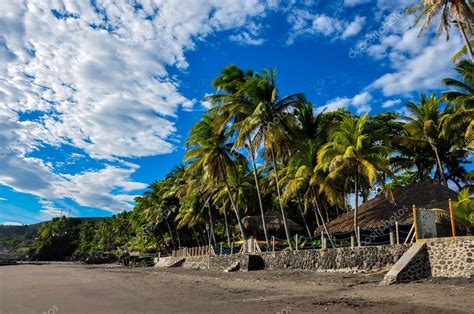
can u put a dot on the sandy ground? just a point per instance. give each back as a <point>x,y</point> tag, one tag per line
<point>63,288</point>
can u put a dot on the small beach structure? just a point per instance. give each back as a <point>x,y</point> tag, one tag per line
<point>395,206</point>
<point>275,227</point>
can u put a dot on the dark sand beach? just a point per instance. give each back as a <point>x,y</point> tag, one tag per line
<point>66,288</point>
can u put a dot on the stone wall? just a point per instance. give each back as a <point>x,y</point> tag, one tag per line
<point>438,257</point>
<point>451,257</point>
<point>413,265</point>
<point>341,259</point>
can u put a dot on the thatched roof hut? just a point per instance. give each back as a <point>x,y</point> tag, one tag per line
<point>376,212</point>
<point>274,221</point>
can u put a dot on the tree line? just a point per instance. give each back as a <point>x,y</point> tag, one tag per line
<point>256,151</point>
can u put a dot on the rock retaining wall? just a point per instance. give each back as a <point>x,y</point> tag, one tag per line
<point>451,257</point>
<point>438,257</point>
<point>341,259</point>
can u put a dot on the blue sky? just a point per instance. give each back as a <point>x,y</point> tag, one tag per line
<point>96,97</point>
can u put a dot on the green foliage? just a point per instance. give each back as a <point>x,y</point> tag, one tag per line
<point>255,152</point>
<point>464,210</point>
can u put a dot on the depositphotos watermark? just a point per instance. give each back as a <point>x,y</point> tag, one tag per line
<point>10,149</point>
<point>285,310</point>
<point>53,310</point>
<point>387,224</point>
<point>369,38</point>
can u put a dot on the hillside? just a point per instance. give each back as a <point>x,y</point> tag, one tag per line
<point>16,240</point>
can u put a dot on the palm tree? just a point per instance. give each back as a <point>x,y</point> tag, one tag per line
<point>424,127</point>
<point>208,149</point>
<point>462,115</point>
<point>352,151</point>
<point>300,174</point>
<point>267,125</point>
<point>232,105</point>
<point>460,10</point>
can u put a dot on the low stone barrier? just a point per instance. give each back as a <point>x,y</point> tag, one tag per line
<point>340,259</point>
<point>438,257</point>
<point>451,257</point>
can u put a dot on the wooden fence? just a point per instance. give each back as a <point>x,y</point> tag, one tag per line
<point>193,251</point>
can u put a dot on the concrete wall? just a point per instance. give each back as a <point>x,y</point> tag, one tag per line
<point>451,257</point>
<point>341,259</point>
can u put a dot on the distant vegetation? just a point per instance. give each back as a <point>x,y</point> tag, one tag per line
<point>17,240</point>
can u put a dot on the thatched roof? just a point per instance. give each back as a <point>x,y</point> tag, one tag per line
<point>274,222</point>
<point>379,210</point>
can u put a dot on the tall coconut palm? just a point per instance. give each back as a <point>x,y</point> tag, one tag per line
<point>300,173</point>
<point>232,105</point>
<point>459,10</point>
<point>267,125</point>
<point>208,149</point>
<point>351,150</point>
<point>462,115</point>
<point>424,126</point>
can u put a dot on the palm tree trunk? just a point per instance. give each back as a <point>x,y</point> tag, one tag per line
<point>316,216</point>
<point>196,236</point>
<point>467,43</point>
<point>315,202</point>
<point>302,216</point>
<point>356,188</point>
<point>202,235</point>
<point>211,223</point>
<point>277,182</point>
<point>234,207</point>
<point>345,188</point>
<point>171,233</point>
<point>177,235</point>
<point>440,165</point>
<point>260,203</point>
<point>227,230</point>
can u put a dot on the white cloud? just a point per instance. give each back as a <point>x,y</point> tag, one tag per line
<point>98,80</point>
<point>304,23</point>
<point>354,27</point>
<point>12,223</point>
<point>417,63</point>
<point>353,3</point>
<point>391,103</point>
<point>249,36</point>
<point>2,199</point>
<point>360,102</point>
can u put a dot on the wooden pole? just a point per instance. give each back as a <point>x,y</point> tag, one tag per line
<point>397,232</point>
<point>415,223</point>
<point>232,248</point>
<point>451,215</point>
<point>273,244</point>
<point>358,236</point>
<point>296,242</point>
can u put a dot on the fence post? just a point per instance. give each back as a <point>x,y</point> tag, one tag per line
<point>352,241</point>
<point>231,248</point>
<point>415,223</point>
<point>322,240</point>
<point>358,236</point>
<point>221,249</point>
<point>397,232</point>
<point>273,244</point>
<point>451,216</point>
<point>392,237</point>
<point>296,241</point>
